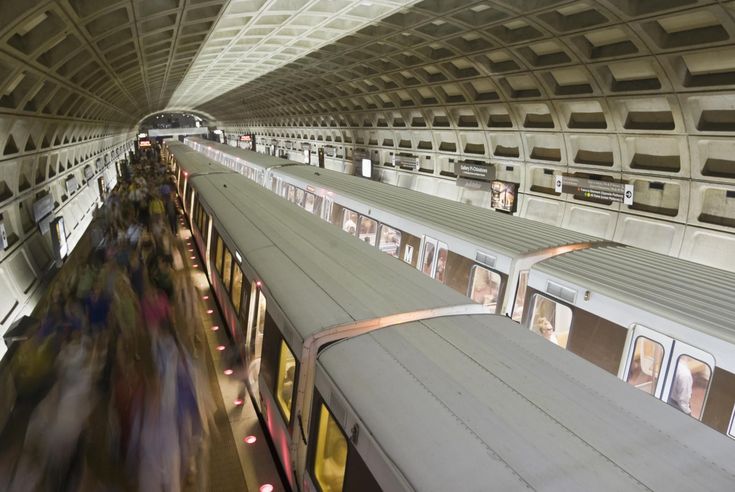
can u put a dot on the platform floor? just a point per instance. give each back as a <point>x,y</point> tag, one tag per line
<point>232,463</point>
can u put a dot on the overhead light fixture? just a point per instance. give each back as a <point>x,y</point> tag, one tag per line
<point>218,132</point>
<point>142,135</point>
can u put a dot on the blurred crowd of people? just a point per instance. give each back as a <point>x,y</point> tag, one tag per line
<point>120,399</point>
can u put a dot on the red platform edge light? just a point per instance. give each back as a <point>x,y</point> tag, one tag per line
<point>215,328</point>
<point>237,403</point>
<point>259,283</point>
<point>210,311</point>
<point>228,372</point>
<point>220,347</point>
<point>249,439</point>
<point>266,487</point>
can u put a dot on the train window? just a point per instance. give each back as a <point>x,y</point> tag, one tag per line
<point>551,320</point>
<point>274,183</point>
<point>236,286</point>
<point>731,427</point>
<point>309,203</point>
<point>689,387</point>
<point>368,230</point>
<point>291,194</point>
<point>227,270</point>
<point>327,210</point>
<point>520,296</point>
<point>300,197</point>
<point>485,286</point>
<point>349,221</point>
<point>330,459</point>
<point>441,263</point>
<point>218,255</point>
<point>390,240</point>
<point>645,368</point>
<point>427,261</point>
<point>285,381</point>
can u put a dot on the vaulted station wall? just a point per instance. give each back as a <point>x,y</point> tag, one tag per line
<point>618,89</point>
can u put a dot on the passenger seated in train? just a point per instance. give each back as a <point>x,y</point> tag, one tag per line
<point>546,329</point>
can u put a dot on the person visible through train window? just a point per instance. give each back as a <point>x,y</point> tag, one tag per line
<point>546,329</point>
<point>680,395</point>
<point>441,265</point>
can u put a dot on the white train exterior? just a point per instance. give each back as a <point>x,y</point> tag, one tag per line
<point>371,376</point>
<point>490,257</point>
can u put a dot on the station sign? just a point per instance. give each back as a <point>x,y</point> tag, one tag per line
<point>474,170</point>
<point>614,191</point>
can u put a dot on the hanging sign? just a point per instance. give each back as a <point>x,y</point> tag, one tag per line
<point>614,191</point>
<point>474,170</point>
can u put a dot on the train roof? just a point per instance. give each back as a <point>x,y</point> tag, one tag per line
<point>193,162</point>
<point>468,222</point>
<point>696,295</point>
<point>492,406</point>
<point>503,233</point>
<point>254,159</point>
<point>319,275</point>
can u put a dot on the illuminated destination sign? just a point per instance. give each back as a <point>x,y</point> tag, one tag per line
<point>474,170</point>
<point>245,138</point>
<point>613,191</point>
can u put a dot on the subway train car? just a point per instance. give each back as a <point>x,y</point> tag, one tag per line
<point>488,256</point>
<point>664,325</point>
<point>371,376</point>
<point>256,169</point>
<point>188,163</point>
<point>455,243</point>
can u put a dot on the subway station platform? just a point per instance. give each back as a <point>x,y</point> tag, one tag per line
<point>128,406</point>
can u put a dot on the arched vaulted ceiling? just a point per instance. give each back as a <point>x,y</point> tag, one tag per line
<point>640,90</point>
<point>118,60</point>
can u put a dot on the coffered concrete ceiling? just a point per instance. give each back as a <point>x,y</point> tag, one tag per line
<point>119,60</point>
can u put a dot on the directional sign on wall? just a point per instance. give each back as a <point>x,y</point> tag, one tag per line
<point>595,188</point>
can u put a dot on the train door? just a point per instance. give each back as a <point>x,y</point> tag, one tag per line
<point>670,370</point>
<point>434,258</point>
<point>256,324</point>
<point>687,379</point>
<point>647,360</point>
